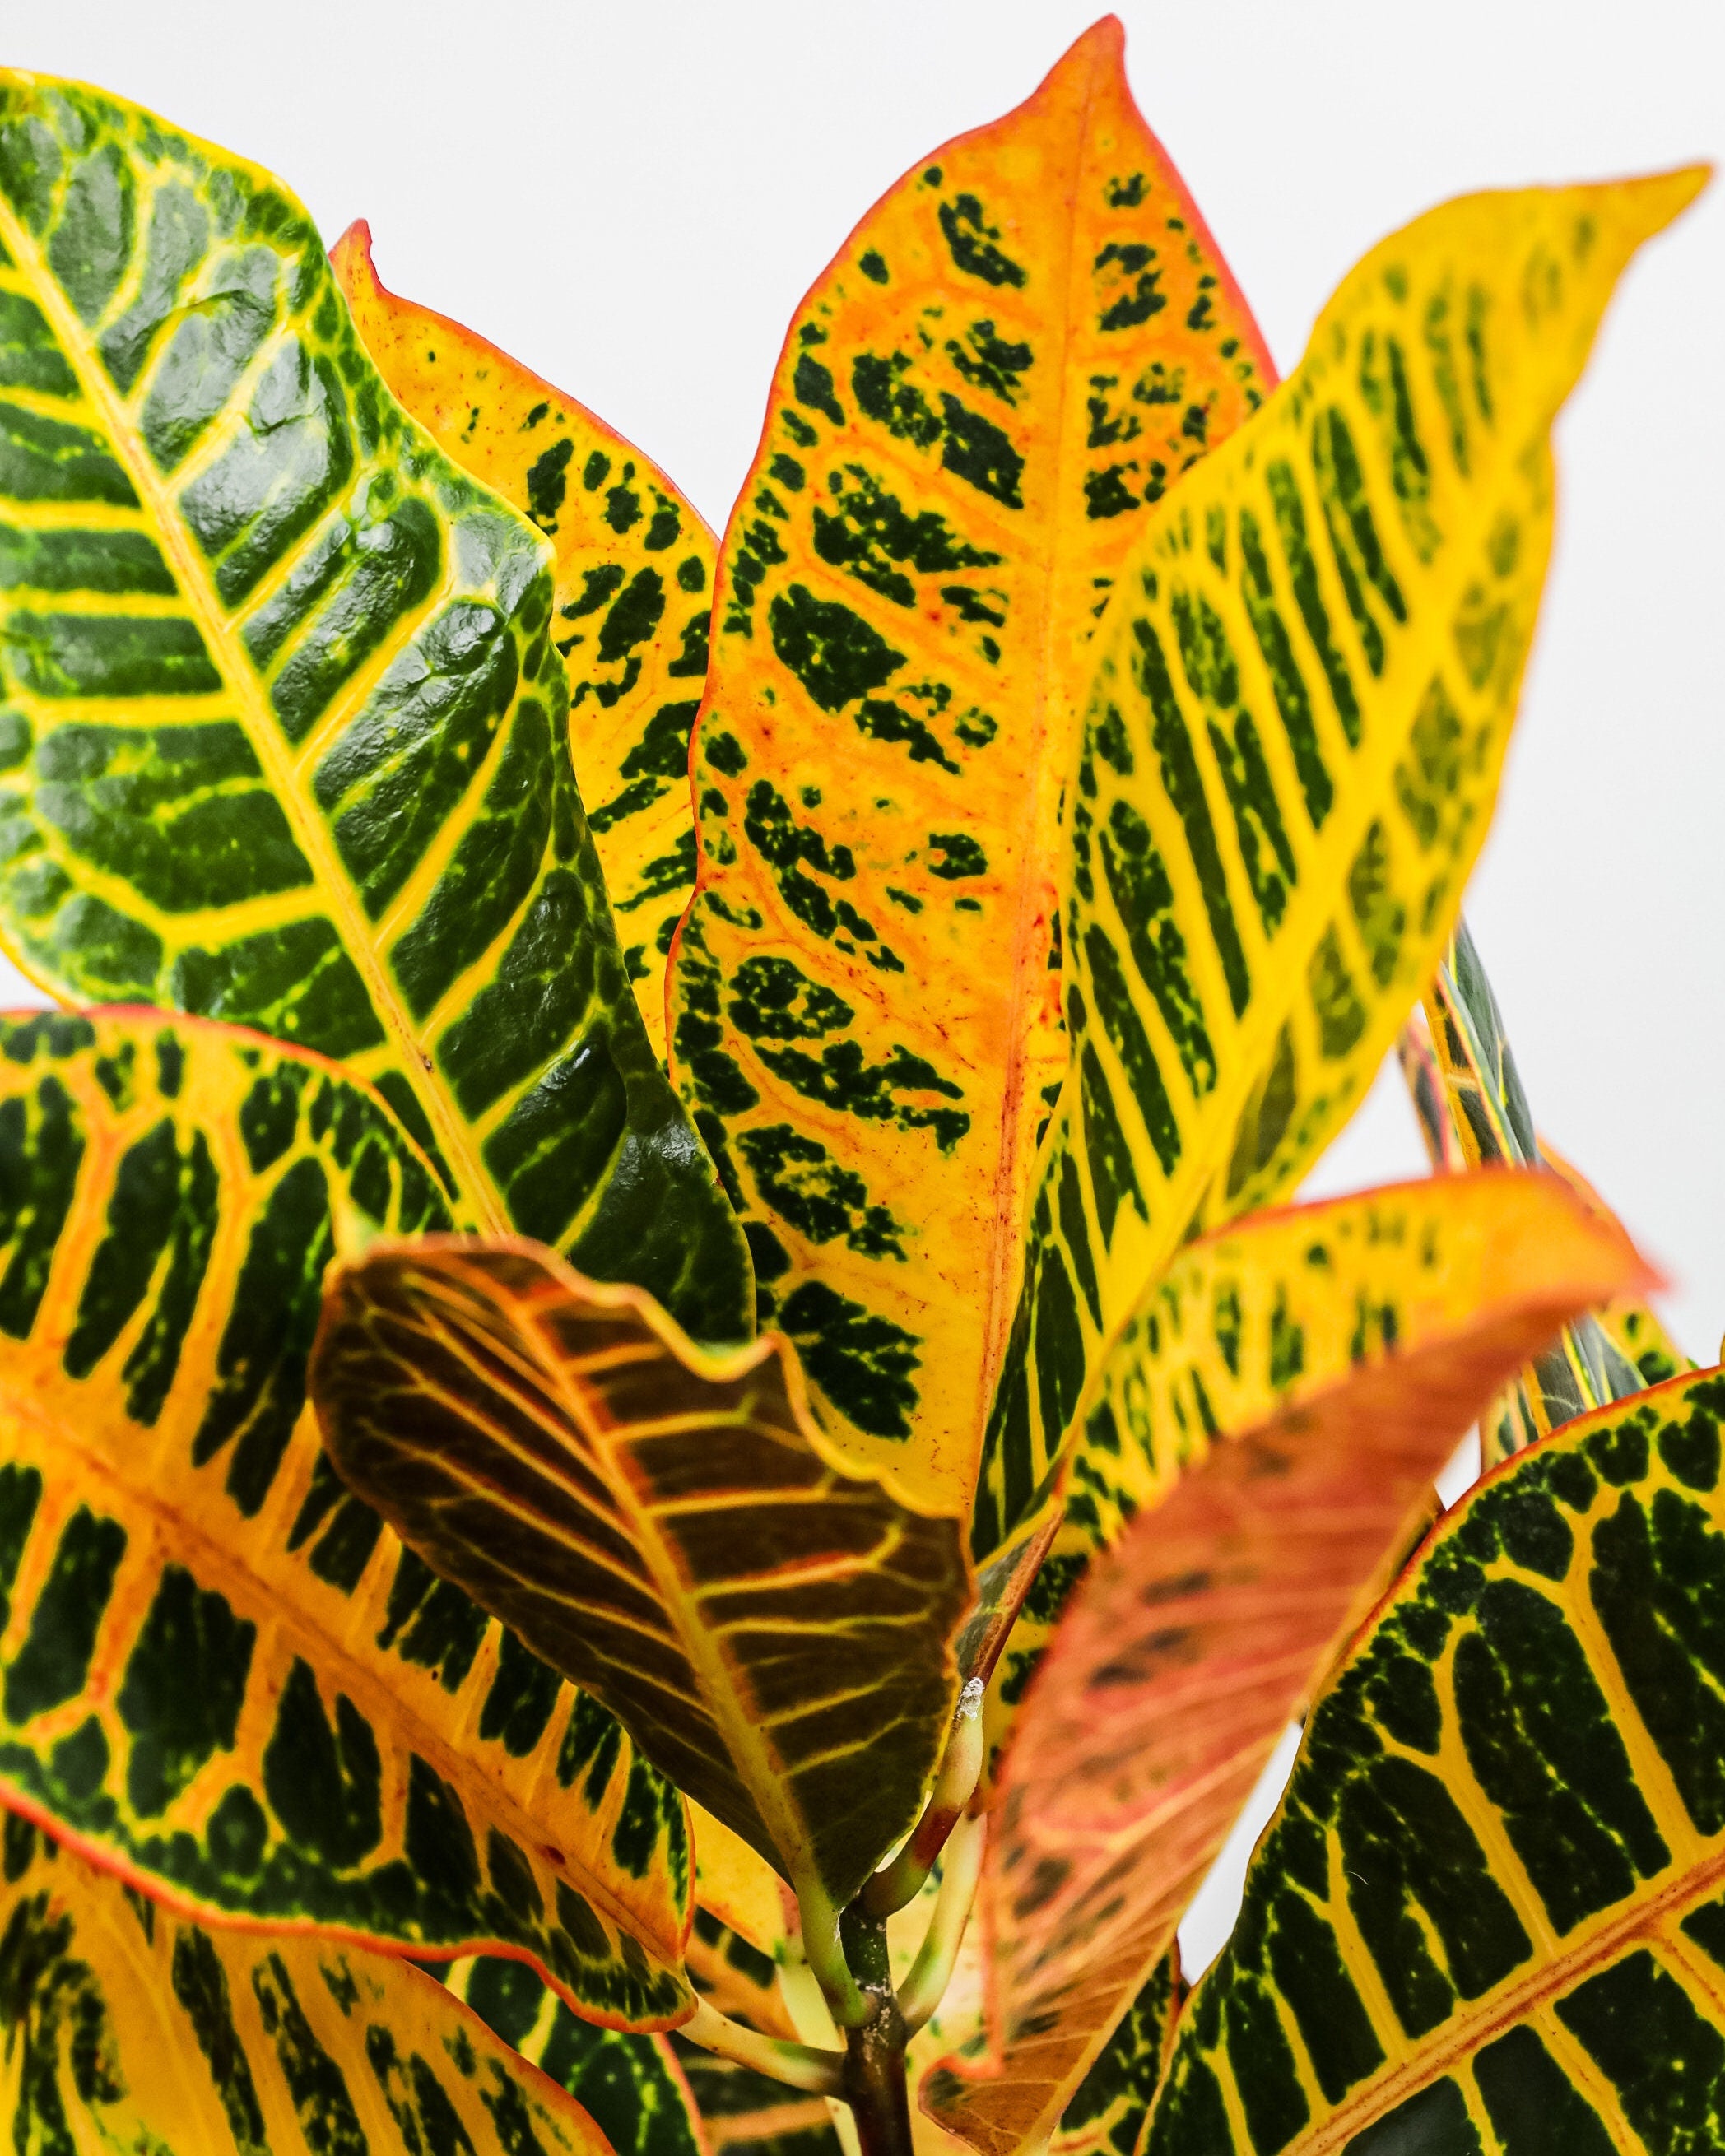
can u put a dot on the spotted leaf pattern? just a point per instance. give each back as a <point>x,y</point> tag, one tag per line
<point>632,571</point>
<point>126,2027</point>
<point>1485,1106</point>
<point>1304,688</point>
<point>220,1674</point>
<point>283,733</point>
<point>665,1525</point>
<point>1315,1367</point>
<point>1020,348</point>
<point>1488,1916</point>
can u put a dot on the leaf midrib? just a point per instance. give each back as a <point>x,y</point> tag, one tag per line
<point>309,832</point>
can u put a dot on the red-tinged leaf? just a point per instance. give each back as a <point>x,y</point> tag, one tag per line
<point>1200,1633</point>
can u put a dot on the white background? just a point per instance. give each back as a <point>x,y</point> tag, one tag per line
<point>633,197</point>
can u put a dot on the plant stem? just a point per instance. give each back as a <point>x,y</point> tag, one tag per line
<point>873,2073</point>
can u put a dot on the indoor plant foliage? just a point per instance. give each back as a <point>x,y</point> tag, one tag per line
<point>651,1337</point>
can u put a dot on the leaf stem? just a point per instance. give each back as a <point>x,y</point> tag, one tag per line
<point>924,1988</point>
<point>799,2066</point>
<point>961,1767</point>
<point>873,2079</point>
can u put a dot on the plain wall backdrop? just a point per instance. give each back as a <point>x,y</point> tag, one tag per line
<point>632,198</point>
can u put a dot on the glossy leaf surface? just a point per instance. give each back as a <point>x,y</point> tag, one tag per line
<point>629,2084</point>
<point>1021,347</point>
<point>666,1527</point>
<point>1303,694</point>
<point>1366,1333</point>
<point>632,571</point>
<point>1488,1915</point>
<point>126,2029</point>
<point>284,737</point>
<point>220,1674</point>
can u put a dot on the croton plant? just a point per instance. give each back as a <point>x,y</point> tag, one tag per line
<point>666,1463</point>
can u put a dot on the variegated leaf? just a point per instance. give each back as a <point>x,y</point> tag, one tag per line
<point>631,2085</point>
<point>1021,347</point>
<point>282,728</point>
<point>1488,1917</point>
<point>1366,1334</point>
<point>125,2028</point>
<point>667,1526</point>
<point>220,1674</point>
<point>743,2113</point>
<point>1486,1110</point>
<point>1107,2109</point>
<point>632,569</point>
<point>1304,692</point>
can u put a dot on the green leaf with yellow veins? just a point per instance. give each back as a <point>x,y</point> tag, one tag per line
<point>630,2083</point>
<point>1302,699</point>
<point>1018,352</point>
<point>220,1674</point>
<point>1488,1913</point>
<point>1255,1454</point>
<point>632,570</point>
<point>1477,1094</point>
<point>126,2026</point>
<point>668,1526</point>
<point>284,737</point>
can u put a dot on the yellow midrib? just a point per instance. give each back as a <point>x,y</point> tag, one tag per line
<point>1011,1205</point>
<point>310,833</point>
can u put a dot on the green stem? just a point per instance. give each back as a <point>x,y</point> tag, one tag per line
<point>873,2082</point>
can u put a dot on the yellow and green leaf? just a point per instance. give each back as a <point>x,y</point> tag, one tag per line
<point>632,571</point>
<point>283,729</point>
<point>1311,1369</point>
<point>666,1526</point>
<point>1304,689</point>
<point>127,2028</point>
<point>630,2084</point>
<point>1486,1110</point>
<point>220,1674</point>
<point>744,2113</point>
<point>1488,1914</point>
<point>1020,348</point>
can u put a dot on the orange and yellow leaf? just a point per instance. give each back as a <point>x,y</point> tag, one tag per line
<point>1019,349</point>
<point>632,571</point>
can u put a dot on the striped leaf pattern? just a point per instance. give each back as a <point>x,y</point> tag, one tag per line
<point>1488,1916</point>
<point>126,2029</point>
<point>1020,348</point>
<point>282,728</point>
<point>630,2085</point>
<point>1198,1634</point>
<point>632,571</point>
<point>220,1674</point>
<point>1303,694</point>
<point>666,1527</point>
<point>1486,1108</point>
